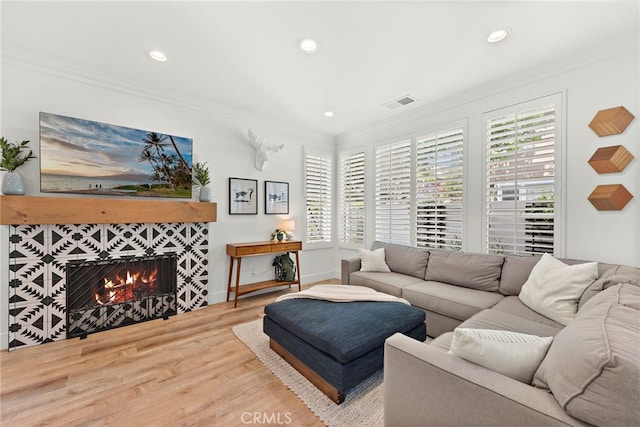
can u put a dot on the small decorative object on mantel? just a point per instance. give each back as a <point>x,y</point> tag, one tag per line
<point>12,159</point>
<point>610,159</point>
<point>611,121</point>
<point>263,151</point>
<point>201,178</point>
<point>612,197</point>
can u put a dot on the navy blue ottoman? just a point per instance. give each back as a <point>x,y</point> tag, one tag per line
<point>337,345</point>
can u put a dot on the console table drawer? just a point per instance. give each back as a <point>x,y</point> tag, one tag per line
<point>286,247</point>
<point>252,250</point>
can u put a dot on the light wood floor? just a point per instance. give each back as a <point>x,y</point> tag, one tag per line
<point>189,370</point>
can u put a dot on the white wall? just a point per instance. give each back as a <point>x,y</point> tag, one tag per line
<point>605,76</point>
<point>31,85</point>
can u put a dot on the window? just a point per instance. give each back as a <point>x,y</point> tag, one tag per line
<point>351,218</point>
<point>439,185</point>
<point>318,181</point>
<point>393,192</point>
<point>521,178</point>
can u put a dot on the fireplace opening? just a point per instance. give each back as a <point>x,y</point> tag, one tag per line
<point>108,294</point>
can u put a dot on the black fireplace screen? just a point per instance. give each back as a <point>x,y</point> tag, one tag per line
<point>107,294</point>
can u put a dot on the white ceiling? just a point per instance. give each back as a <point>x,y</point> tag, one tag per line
<point>243,56</point>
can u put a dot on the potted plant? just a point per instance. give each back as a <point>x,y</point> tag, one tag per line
<point>12,158</point>
<point>201,178</point>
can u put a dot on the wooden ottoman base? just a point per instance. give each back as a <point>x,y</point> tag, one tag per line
<point>315,379</point>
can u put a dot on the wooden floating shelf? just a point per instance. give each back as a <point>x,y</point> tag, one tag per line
<point>611,121</point>
<point>610,159</point>
<point>613,197</point>
<point>20,210</point>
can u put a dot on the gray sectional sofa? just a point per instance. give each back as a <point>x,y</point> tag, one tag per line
<point>589,376</point>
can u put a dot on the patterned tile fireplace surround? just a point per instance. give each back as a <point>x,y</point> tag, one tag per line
<point>45,234</point>
<point>38,255</point>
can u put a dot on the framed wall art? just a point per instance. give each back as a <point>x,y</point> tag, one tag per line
<point>243,196</point>
<point>86,157</point>
<point>276,199</point>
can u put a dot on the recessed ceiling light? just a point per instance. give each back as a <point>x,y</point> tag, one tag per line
<point>157,55</point>
<point>498,35</point>
<point>308,45</point>
<point>328,114</point>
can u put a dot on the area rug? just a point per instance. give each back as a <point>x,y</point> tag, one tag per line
<point>363,406</point>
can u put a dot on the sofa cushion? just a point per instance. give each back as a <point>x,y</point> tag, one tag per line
<point>513,354</point>
<point>515,272</point>
<point>628,295</point>
<point>452,301</point>
<point>611,277</point>
<point>495,319</point>
<point>404,259</point>
<point>593,365</point>
<point>475,271</point>
<point>554,288</point>
<point>390,283</point>
<point>373,260</point>
<point>513,305</point>
<point>442,342</point>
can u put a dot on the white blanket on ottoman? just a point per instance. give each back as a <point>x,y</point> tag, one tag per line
<point>343,293</point>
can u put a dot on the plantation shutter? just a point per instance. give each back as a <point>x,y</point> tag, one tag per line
<point>393,193</point>
<point>318,181</point>
<point>520,181</point>
<point>351,199</point>
<point>439,186</point>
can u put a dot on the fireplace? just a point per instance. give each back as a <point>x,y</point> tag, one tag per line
<point>111,293</point>
<point>39,255</point>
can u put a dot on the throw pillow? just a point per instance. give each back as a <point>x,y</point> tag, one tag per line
<point>554,288</point>
<point>513,354</point>
<point>373,260</point>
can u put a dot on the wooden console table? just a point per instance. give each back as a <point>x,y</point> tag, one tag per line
<point>237,251</point>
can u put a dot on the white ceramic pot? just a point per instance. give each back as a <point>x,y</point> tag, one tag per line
<point>205,194</point>
<point>13,184</point>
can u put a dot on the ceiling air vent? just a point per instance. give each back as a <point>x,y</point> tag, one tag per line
<point>400,102</point>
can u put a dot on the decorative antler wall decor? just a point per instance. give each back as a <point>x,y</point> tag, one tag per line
<point>263,150</point>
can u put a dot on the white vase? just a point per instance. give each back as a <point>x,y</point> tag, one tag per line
<point>205,194</point>
<point>13,184</point>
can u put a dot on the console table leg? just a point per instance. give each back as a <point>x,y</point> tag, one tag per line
<point>298,269</point>
<point>235,302</point>
<point>231,259</point>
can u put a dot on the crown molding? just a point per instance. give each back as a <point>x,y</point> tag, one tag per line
<point>597,53</point>
<point>64,70</point>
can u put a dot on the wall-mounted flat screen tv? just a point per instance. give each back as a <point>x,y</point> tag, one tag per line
<point>87,157</point>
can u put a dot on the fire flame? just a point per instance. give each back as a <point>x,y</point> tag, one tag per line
<point>129,288</point>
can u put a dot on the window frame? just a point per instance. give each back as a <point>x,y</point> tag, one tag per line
<point>342,157</point>
<point>410,236</point>
<point>329,241</point>
<point>558,100</point>
<point>460,127</point>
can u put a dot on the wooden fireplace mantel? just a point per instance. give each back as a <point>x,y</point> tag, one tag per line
<point>22,210</point>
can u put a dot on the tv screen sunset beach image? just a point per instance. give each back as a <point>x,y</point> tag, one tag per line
<point>88,157</point>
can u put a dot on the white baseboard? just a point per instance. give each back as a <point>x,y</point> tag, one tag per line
<point>318,278</point>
